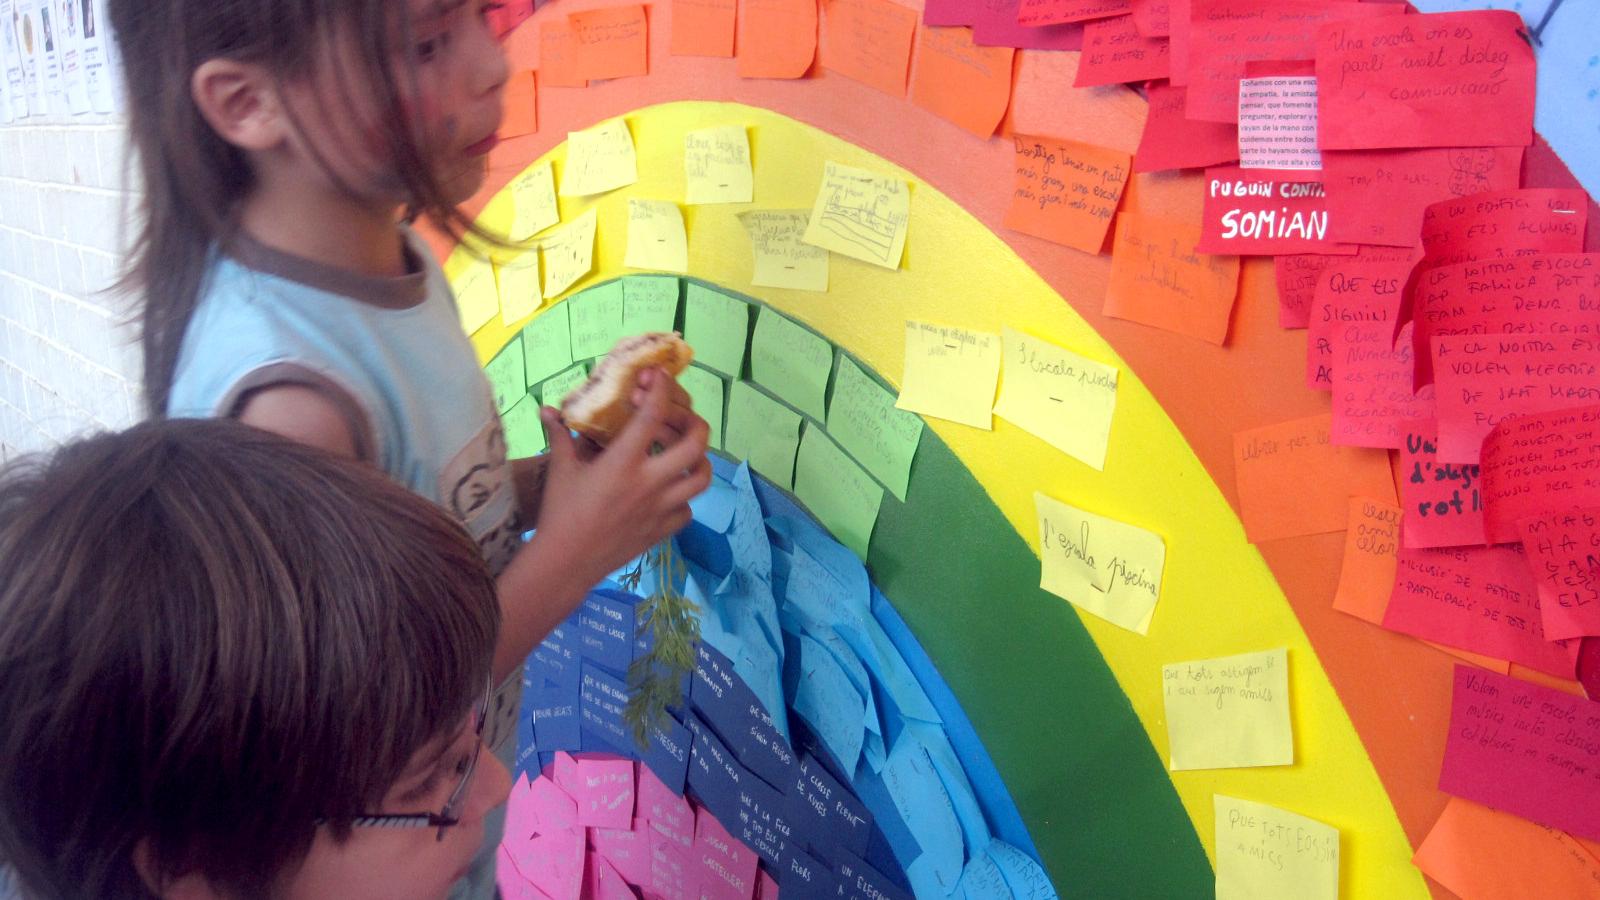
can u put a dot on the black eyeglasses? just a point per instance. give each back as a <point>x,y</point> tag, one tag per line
<point>451,814</point>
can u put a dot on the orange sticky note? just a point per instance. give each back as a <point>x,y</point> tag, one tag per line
<point>1370,546</point>
<point>1158,279</point>
<point>869,41</point>
<point>702,27</point>
<point>1066,192</point>
<point>560,62</point>
<point>1485,854</point>
<point>960,81</point>
<point>611,42</point>
<point>1292,480</point>
<point>521,105</point>
<point>777,38</point>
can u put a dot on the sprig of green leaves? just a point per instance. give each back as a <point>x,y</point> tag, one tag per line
<point>654,679</point>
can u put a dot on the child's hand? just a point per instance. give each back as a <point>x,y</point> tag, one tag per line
<point>605,508</point>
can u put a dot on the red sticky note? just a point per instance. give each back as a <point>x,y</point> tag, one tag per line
<point>1442,80</point>
<point>509,15</point>
<point>1372,276</point>
<point>1033,13</point>
<point>1115,53</point>
<point>1525,749</point>
<point>777,38</point>
<point>1225,34</point>
<point>1066,192</point>
<point>949,13</point>
<point>1297,275</point>
<point>1441,500</point>
<point>1543,463</point>
<point>1497,224</point>
<point>1564,552</point>
<point>703,27</point>
<point>560,58</point>
<point>1589,666</point>
<point>1293,480</point>
<point>869,41</point>
<point>728,867</point>
<point>1173,141</point>
<point>1260,212</point>
<point>1378,196</point>
<point>1153,18</point>
<point>995,25</point>
<point>1373,403</point>
<point>1158,279</point>
<point>521,106</point>
<point>1484,379</point>
<point>1477,598</point>
<point>1179,27</point>
<point>611,41</point>
<point>960,81</point>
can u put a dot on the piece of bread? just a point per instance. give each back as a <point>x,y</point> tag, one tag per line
<point>602,405</point>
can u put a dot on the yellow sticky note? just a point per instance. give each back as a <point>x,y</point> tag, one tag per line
<point>477,296</point>
<point>783,259</point>
<point>1229,712</point>
<point>716,162</point>
<point>1058,396</point>
<point>1109,568</point>
<point>950,373</point>
<point>518,280</point>
<point>533,194</point>
<point>656,239</point>
<point>1266,853</point>
<point>568,254</point>
<point>862,215</point>
<point>598,160</point>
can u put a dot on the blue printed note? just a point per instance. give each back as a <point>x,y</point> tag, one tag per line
<point>803,877</point>
<point>555,718</point>
<point>761,824</point>
<point>861,881</point>
<point>826,816</point>
<point>668,753</point>
<point>914,785</point>
<point>715,776</point>
<point>739,717</point>
<point>602,698</point>
<point>824,697</point>
<point>554,659</point>
<point>605,629</point>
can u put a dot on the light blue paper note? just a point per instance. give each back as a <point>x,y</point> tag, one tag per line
<point>828,702</point>
<point>913,783</point>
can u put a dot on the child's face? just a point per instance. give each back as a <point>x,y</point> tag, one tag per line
<point>450,79</point>
<point>409,863</point>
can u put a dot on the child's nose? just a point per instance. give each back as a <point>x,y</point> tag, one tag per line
<point>491,784</point>
<point>489,68</point>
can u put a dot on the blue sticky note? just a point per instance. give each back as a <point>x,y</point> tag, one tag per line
<point>761,824</point>
<point>602,698</point>
<point>714,775</point>
<point>554,659</point>
<point>747,533</point>
<point>668,753</point>
<point>714,506</point>
<point>824,697</point>
<point>918,794</point>
<point>739,718</point>
<point>889,669</point>
<point>605,629</point>
<point>981,880</point>
<point>927,876</point>
<point>555,719</point>
<point>527,759</point>
<point>860,881</point>
<point>803,877</point>
<point>954,779</point>
<point>824,813</point>
<point>891,828</point>
<point>1022,872</point>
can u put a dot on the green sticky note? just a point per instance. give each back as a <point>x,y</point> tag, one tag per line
<point>649,303</point>
<point>706,390</point>
<point>716,326</point>
<point>791,362</point>
<point>863,419</point>
<point>837,491</point>
<point>596,320</point>
<point>505,376</point>
<point>547,343</point>
<point>762,431</point>
<point>524,432</point>
<point>556,389</point>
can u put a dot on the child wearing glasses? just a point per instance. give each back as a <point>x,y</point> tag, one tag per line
<point>233,666</point>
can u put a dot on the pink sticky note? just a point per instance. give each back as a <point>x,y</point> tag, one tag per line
<point>1483,380</point>
<point>553,808</point>
<point>510,880</point>
<point>1297,275</point>
<point>666,812</point>
<point>727,867</point>
<point>554,862</point>
<point>604,792</point>
<point>1442,505</point>
<point>627,849</point>
<point>1373,403</point>
<point>1564,552</point>
<point>601,881</point>
<point>1539,464</point>
<point>522,820</point>
<point>1526,749</point>
<point>671,875</point>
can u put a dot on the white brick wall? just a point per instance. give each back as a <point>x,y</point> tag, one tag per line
<point>68,360</point>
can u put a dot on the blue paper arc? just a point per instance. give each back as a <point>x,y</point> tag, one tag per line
<point>815,727</point>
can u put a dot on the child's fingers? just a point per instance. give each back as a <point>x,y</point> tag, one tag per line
<point>691,485</point>
<point>562,448</point>
<point>683,455</point>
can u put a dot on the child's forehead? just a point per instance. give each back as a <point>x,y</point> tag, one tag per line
<point>424,12</point>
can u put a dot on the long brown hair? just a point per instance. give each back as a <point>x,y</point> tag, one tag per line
<point>193,180</point>
<point>211,638</point>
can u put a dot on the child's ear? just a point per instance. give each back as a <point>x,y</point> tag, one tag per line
<point>189,887</point>
<point>240,102</point>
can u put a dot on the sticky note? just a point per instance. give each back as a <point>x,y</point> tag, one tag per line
<point>1278,123</point>
<point>547,344</point>
<point>1371,547</point>
<point>517,280</point>
<point>1545,462</point>
<point>1442,501</point>
<point>1503,224</point>
<point>1524,749</point>
<point>1264,853</point>
<point>1349,288</point>
<point>533,194</point>
<point>1229,712</point>
<point>839,492</point>
<point>782,258</point>
<point>1444,80</point>
<point>1065,192</point>
<point>951,373</point>
<point>863,418</point>
<point>727,868</point>
<point>777,38</point>
<point>913,784</point>
<point>861,215</point>
<point>521,106</point>
<point>702,27</point>
<point>568,254</point>
<point>611,41</point>
<point>1264,212</point>
<point>603,791</point>
<point>656,239</point>
<point>1297,275</point>
<point>1475,851</point>
<point>1374,403</point>
<point>505,375</point>
<point>791,361</point>
<point>649,303</point>
<point>596,318</point>
<point>560,61</point>
<point>1172,140</point>
<point>706,390</point>
<point>477,295</point>
<point>869,41</point>
<point>599,159</point>
<point>1379,196</point>
<point>1034,13</point>
<point>717,327</point>
<point>1563,550</point>
<point>1114,52</point>
<point>524,431</point>
<point>1293,480</point>
<point>1158,279</point>
<point>1058,396</point>
<point>555,389</point>
<point>1109,568</point>
<point>762,431</point>
<point>960,81</point>
<point>995,24</point>
<point>716,166</point>
<point>1153,18</point>
<point>1485,379</point>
